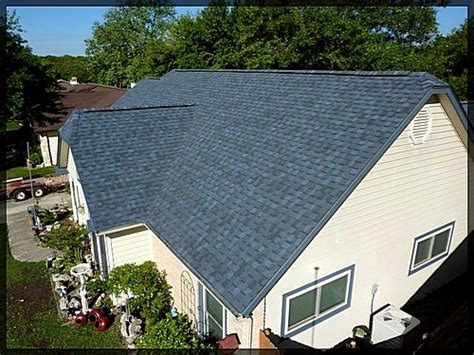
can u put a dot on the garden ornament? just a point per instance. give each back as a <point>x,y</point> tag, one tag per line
<point>81,271</point>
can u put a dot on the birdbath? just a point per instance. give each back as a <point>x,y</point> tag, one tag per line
<point>80,271</point>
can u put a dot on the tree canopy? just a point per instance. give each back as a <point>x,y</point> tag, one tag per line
<point>133,42</point>
<point>118,45</point>
<point>335,38</point>
<point>30,86</point>
<point>67,66</point>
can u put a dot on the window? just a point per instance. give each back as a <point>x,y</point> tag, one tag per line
<point>214,313</point>
<point>431,247</point>
<point>319,300</point>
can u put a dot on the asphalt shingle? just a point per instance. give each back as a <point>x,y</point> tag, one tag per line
<point>235,181</point>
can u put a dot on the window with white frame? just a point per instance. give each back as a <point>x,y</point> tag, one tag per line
<point>214,316</point>
<point>431,247</point>
<point>317,301</point>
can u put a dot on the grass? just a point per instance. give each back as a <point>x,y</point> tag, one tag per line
<point>23,172</point>
<point>12,126</point>
<point>32,316</point>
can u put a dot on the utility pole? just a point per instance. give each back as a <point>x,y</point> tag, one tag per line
<point>31,181</point>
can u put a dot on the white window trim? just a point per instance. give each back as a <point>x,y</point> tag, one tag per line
<point>206,314</point>
<point>431,258</point>
<point>318,315</point>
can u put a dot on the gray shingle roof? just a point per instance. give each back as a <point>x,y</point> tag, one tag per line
<point>238,184</point>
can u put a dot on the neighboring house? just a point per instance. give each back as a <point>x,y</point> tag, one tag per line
<point>72,95</point>
<point>277,199</point>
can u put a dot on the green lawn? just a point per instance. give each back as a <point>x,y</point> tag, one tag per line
<point>12,126</point>
<point>23,172</point>
<point>32,317</point>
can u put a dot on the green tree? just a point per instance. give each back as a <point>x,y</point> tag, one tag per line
<point>338,38</point>
<point>31,89</point>
<point>448,57</point>
<point>118,45</point>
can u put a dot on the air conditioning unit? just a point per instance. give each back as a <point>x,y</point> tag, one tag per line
<point>393,328</point>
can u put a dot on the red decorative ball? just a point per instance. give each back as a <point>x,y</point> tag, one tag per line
<point>80,320</point>
<point>103,323</point>
<point>95,314</point>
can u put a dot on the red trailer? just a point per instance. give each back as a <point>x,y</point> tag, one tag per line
<point>20,189</point>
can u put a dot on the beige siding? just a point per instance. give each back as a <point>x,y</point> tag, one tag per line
<point>131,246</point>
<point>412,190</point>
<point>79,205</point>
<point>53,145</point>
<point>451,112</point>
<point>49,147</point>
<point>44,145</point>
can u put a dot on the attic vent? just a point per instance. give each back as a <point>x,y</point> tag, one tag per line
<point>420,127</point>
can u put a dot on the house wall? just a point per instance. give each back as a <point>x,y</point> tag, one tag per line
<point>412,190</point>
<point>133,245</point>
<point>49,147</point>
<point>79,206</point>
<point>176,269</point>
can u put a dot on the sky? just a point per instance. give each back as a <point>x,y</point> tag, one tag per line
<point>62,30</point>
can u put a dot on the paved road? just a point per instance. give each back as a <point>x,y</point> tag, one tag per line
<point>22,242</point>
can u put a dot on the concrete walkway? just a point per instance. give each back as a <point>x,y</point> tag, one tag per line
<point>22,242</point>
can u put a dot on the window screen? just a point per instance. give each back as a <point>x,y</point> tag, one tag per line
<point>214,317</point>
<point>440,244</point>
<point>302,307</point>
<point>333,293</point>
<point>422,251</point>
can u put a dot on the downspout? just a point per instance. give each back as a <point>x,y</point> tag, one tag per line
<point>99,253</point>
<point>251,330</point>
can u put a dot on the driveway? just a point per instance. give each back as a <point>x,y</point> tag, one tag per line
<point>23,244</point>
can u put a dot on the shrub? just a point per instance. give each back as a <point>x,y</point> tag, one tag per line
<point>69,238</point>
<point>35,156</point>
<point>95,285</point>
<point>152,293</point>
<point>172,333</point>
<point>45,215</point>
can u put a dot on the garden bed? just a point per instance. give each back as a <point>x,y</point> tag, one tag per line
<point>135,298</point>
<point>32,318</point>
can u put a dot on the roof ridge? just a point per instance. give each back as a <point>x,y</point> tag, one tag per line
<point>112,109</point>
<point>387,73</point>
<point>106,86</point>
